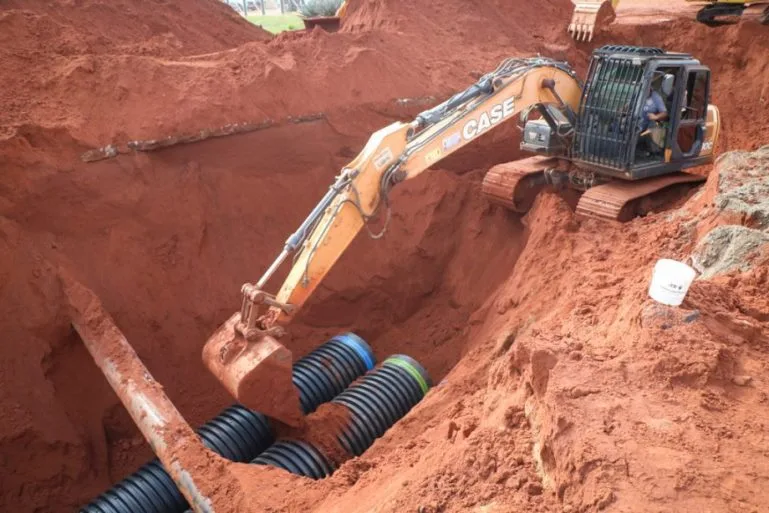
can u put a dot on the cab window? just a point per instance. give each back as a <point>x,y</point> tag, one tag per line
<point>696,102</point>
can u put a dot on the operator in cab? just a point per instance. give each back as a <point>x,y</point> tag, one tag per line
<point>653,110</point>
<point>654,113</point>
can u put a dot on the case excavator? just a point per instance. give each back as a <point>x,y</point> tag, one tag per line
<point>589,137</point>
<point>586,137</point>
<point>592,14</point>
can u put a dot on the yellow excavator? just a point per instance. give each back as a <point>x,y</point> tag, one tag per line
<point>589,14</point>
<point>642,117</point>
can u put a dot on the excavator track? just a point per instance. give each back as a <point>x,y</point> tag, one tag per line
<point>621,200</point>
<point>515,185</point>
<point>720,14</point>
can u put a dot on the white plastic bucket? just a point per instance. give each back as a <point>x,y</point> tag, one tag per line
<point>670,282</point>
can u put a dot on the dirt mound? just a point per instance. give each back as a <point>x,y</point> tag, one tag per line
<point>73,64</point>
<point>146,27</point>
<point>292,75</point>
<point>538,331</point>
<point>578,393</point>
<point>488,24</point>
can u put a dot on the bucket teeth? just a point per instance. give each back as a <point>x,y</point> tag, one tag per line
<point>584,19</point>
<point>581,32</point>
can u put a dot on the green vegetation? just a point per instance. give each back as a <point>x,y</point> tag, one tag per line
<point>277,23</point>
<point>312,8</point>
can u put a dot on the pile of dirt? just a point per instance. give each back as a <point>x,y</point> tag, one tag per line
<point>487,27</point>
<point>537,330</point>
<point>48,49</point>
<point>579,393</point>
<point>85,89</point>
<point>159,28</point>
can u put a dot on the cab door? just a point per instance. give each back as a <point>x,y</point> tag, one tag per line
<point>692,114</point>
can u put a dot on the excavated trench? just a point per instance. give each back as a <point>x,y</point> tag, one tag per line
<point>186,225</point>
<point>181,228</point>
<point>413,292</point>
<point>166,238</point>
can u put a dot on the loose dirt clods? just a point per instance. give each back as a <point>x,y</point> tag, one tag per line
<point>560,385</point>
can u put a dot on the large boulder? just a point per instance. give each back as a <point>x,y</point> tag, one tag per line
<point>729,248</point>
<point>742,186</point>
<point>740,194</point>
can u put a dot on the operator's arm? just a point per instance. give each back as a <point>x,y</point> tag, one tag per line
<point>660,111</point>
<point>393,154</point>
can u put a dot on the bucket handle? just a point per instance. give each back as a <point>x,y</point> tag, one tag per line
<point>691,263</point>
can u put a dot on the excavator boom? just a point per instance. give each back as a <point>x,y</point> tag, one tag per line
<point>244,353</point>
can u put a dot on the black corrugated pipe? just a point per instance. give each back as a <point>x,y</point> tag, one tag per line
<point>240,434</point>
<point>375,402</point>
<point>298,457</point>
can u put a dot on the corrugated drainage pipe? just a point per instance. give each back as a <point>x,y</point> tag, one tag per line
<point>240,434</point>
<point>375,402</point>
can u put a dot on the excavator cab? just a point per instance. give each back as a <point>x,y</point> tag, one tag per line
<point>617,146</point>
<point>610,134</point>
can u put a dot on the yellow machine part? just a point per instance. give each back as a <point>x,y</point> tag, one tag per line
<point>721,11</point>
<point>591,15</point>
<point>721,2</point>
<point>342,10</point>
<point>588,14</point>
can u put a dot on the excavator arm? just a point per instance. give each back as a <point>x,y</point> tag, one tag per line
<point>244,353</point>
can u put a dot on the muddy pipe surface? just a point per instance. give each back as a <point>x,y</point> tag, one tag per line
<point>158,419</point>
<point>375,403</point>
<point>240,434</point>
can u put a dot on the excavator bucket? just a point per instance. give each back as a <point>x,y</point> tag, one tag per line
<point>590,16</point>
<point>257,373</point>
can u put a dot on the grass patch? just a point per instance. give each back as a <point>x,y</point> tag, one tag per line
<point>277,23</point>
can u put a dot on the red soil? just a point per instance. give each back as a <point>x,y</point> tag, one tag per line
<point>561,390</point>
<point>321,429</point>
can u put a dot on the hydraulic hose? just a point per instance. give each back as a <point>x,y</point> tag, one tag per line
<point>240,434</point>
<point>375,402</point>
